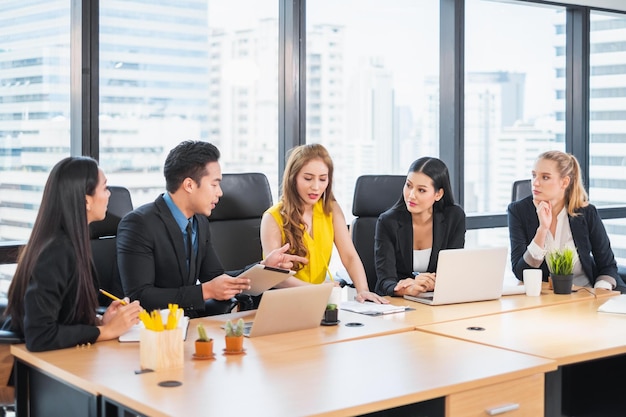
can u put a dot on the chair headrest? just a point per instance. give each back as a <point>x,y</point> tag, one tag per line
<point>373,194</point>
<point>246,195</point>
<point>120,204</point>
<point>521,189</point>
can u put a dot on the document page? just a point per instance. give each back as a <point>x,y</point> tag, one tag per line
<point>614,305</point>
<point>372,309</point>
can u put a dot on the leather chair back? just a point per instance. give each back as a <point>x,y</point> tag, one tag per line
<point>103,243</point>
<point>521,189</point>
<point>373,194</point>
<point>236,220</point>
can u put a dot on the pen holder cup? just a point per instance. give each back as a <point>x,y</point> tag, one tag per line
<point>161,350</point>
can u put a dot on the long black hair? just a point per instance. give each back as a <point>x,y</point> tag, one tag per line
<point>62,212</point>
<point>437,171</point>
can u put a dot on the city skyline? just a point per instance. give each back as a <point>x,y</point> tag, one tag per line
<point>198,78</point>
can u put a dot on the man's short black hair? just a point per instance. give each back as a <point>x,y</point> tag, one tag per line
<point>188,159</point>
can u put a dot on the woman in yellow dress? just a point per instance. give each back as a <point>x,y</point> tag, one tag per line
<point>310,220</point>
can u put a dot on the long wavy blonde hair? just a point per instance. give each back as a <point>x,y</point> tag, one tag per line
<point>291,209</point>
<point>567,166</point>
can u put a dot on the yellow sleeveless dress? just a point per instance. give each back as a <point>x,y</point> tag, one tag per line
<point>320,248</point>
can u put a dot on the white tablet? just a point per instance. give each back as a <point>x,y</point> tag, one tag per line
<point>263,277</point>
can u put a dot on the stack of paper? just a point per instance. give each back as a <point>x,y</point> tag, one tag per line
<point>371,309</point>
<point>614,305</point>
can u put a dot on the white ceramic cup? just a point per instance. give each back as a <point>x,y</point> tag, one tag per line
<point>532,281</point>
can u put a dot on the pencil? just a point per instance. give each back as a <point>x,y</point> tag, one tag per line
<point>112,297</point>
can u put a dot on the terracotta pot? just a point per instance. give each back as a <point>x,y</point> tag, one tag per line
<point>234,343</point>
<point>204,348</point>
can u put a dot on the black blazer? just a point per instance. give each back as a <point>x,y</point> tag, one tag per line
<point>592,242</point>
<point>49,300</point>
<point>393,243</point>
<point>152,261</point>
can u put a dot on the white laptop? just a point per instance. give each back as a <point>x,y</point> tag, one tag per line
<point>465,275</point>
<point>289,309</point>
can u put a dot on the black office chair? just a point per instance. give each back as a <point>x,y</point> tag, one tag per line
<point>236,224</point>
<point>521,189</point>
<point>373,194</point>
<point>236,220</point>
<point>103,244</point>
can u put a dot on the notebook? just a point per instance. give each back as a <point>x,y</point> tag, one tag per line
<point>513,289</point>
<point>465,275</point>
<point>263,277</point>
<point>289,309</point>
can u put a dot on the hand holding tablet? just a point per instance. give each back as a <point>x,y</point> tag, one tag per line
<point>263,277</point>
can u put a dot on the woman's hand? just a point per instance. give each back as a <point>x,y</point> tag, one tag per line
<point>409,286</point>
<point>426,280</point>
<point>370,296</point>
<point>118,318</point>
<point>279,258</point>
<point>544,213</point>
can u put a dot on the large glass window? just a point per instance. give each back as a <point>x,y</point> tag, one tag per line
<point>34,110</point>
<point>607,120</point>
<point>372,73</point>
<point>514,99</point>
<point>202,70</point>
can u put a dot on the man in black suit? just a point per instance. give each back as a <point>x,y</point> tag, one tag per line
<point>164,248</point>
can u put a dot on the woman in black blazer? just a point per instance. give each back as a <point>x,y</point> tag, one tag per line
<point>54,293</point>
<point>558,215</point>
<point>410,235</point>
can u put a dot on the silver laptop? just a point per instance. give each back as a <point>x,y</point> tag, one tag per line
<point>465,275</point>
<point>289,309</point>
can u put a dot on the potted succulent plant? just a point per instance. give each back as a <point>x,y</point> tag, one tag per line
<point>234,336</point>
<point>204,344</point>
<point>561,266</point>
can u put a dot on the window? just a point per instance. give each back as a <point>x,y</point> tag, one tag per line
<point>372,72</point>
<point>34,110</point>
<point>512,99</point>
<point>199,70</point>
<point>607,108</point>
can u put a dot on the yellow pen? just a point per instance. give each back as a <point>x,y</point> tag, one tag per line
<point>112,297</point>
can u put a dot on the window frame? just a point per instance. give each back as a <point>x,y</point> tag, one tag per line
<point>84,93</point>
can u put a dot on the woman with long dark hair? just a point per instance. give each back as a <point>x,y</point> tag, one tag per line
<point>54,294</point>
<point>410,235</point>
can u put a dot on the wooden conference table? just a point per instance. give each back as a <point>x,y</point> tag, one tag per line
<point>425,314</point>
<point>570,333</point>
<point>333,370</point>
<point>409,369</point>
